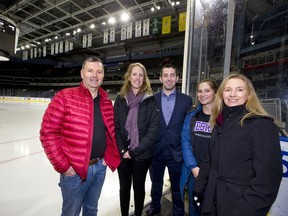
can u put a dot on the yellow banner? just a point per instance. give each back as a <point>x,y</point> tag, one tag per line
<point>166,25</point>
<point>182,22</point>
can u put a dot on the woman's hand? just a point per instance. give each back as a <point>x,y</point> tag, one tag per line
<point>195,171</point>
<point>126,155</point>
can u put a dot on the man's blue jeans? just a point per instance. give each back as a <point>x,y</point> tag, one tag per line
<point>77,194</point>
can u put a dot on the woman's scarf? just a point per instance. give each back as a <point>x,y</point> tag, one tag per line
<point>132,119</point>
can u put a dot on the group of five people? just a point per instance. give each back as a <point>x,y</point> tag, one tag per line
<point>229,156</point>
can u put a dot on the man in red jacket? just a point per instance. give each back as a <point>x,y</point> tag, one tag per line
<point>78,137</point>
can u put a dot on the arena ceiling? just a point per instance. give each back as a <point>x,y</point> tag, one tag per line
<point>39,20</point>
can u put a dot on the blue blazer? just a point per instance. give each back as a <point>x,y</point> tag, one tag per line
<point>169,138</point>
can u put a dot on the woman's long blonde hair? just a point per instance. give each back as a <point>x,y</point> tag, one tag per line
<point>146,87</point>
<point>253,104</point>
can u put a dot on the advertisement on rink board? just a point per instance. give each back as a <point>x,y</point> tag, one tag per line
<point>280,206</point>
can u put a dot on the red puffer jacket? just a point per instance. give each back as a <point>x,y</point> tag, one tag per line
<point>67,127</point>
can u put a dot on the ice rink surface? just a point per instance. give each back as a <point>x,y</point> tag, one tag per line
<point>28,183</point>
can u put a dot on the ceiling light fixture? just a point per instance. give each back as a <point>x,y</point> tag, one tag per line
<point>111,20</point>
<point>157,7</point>
<point>124,17</point>
<point>175,3</point>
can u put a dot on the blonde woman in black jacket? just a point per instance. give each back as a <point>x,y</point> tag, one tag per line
<point>244,167</point>
<point>137,122</point>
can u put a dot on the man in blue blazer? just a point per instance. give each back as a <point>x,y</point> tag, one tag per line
<point>173,106</point>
